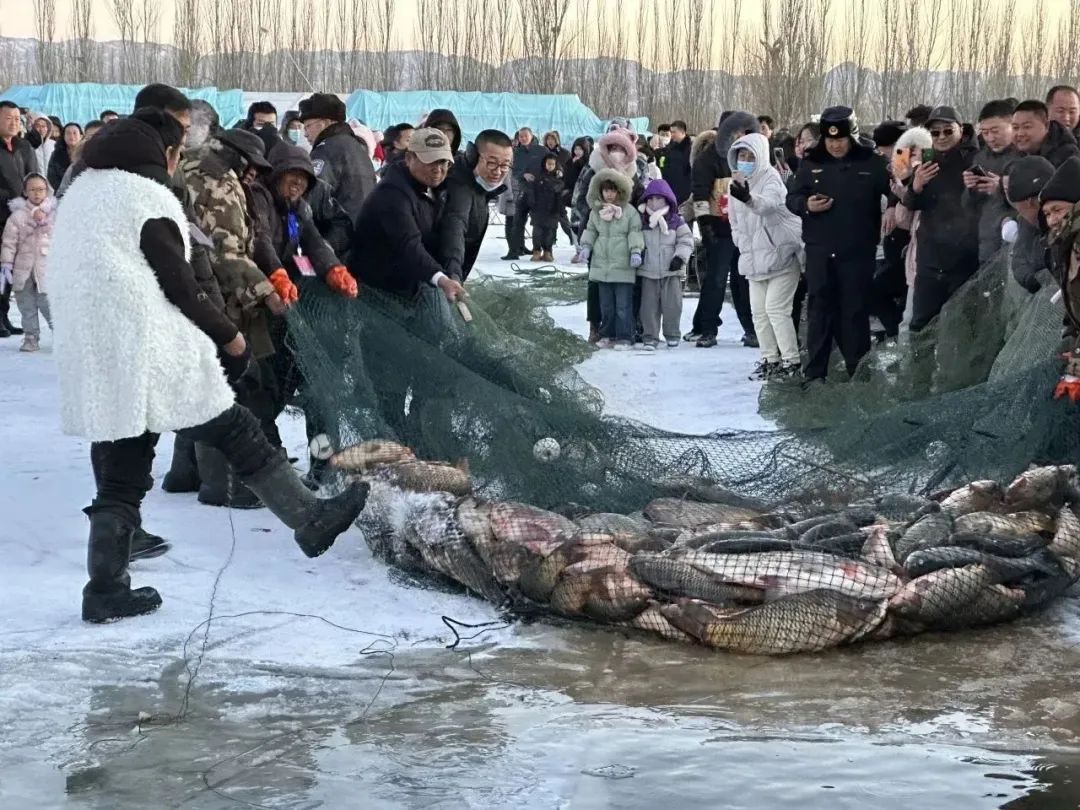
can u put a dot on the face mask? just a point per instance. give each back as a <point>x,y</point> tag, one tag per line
<point>485,185</point>
<point>295,135</point>
<point>665,140</point>
<point>745,167</point>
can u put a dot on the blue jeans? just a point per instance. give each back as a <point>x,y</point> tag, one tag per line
<point>616,311</point>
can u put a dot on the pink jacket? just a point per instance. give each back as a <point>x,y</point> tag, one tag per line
<point>26,241</point>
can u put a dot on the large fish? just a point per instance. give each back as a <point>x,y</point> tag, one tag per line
<point>936,596</point>
<point>748,545</point>
<point>676,576</point>
<point>1066,542</point>
<point>696,488</point>
<point>1041,487</point>
<point>823,531</point>
<point>978,496</point>
<point>929,531</point>
<point>608,593</point>
<point>508,535</point>
<point>1001,546</point>
<point>361,457</point>
<point>442,544</point>
<point>688,514</point>
<point>695,538</point>
<point>844,545</point>
<point>802,622</point>
<point>652,620</point>
<point>994,603</point>
<point>1006,569</point>
<point>877,548</point>
<point>1018,524</point>
<point>894,507</point>
<point>785,572</point>
<point>632,535</point>
<point>426,476</point>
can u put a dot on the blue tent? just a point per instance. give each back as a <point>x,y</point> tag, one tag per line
<point>478,111</point>
<point>84,102</point>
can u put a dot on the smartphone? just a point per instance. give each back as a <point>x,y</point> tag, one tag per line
<point>778,157</point>
<point>978,170</point>
<point>927,155</point>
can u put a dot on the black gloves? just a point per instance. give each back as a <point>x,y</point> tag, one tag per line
<point>740,191</point>
<point>676,265</point>
<point>235,367</point>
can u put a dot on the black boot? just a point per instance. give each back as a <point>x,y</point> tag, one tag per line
<point>108,594</point>
<point>9,327</point>
<point>4,333</point>
<point>220,486</point>
<point>145,546</point>
<point>316,522</point>
<point>317,468</point>
<point>183,475</point>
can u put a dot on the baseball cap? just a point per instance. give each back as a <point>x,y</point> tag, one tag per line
<point>430,145</point>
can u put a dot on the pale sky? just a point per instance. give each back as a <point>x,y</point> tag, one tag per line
<point>17,16</point>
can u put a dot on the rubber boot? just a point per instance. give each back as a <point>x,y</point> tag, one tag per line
<point>108,594</point>
<point>316,522</point>
<point>145,546</point>
<point>183,475</point>
<point>220,486</point>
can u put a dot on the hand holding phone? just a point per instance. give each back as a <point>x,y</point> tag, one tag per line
<point>818,203</point>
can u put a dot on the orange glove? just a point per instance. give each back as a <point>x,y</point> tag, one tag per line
<point>341,281</point>
<point>284,287</point>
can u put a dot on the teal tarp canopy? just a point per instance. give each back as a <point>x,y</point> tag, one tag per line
<point>479,111</point>
<point>84,102</point>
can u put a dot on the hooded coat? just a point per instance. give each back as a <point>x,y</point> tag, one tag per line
<point>464,219</point>
<point>15,164</point>
<point>675,167</point>
<point>711,175</point>
<point>151,362</point>
<point>575,166</point>
<point>635,168</point>
<point>611,243</point>
<point>26,241</point>
<point>341,160</point>
<point>768,236</point>
<point>280,247</point>
<point>661,246</point>
<point>44,152</point>
<point>545,198</point>
<point>856,183</point>
<point>440,116</point>
<point>562,157</point>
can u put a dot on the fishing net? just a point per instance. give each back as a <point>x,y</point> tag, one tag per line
<point>512,482</point>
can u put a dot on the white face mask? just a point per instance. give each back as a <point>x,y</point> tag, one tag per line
<point>485,185</point>
<point>664,140</point>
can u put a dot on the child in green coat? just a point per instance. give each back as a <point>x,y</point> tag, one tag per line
<point>613,245</point>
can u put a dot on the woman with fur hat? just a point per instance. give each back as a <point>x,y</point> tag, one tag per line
<point>614,243</point>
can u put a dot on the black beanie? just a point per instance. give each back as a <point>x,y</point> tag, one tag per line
<point>888,133</point>
<point>1064,186</point>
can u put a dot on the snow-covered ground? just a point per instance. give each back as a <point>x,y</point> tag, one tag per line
<point>241,567</point>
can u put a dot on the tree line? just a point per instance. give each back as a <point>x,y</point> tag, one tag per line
<point>673,59</point>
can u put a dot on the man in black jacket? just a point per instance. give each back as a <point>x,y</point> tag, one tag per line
<point>674,161</point>
<point>339,157</point>
<point>1029,255</point>
<point>948,233</point>
<point>984,193</point>
<point>17,160</point>
<point>710,179</point>
<point>478,178</point>
<point>395,243</point>
<point>527,156</point>
<point>1063,102</point>
<point>446,122</point>
<point>838,192</point>
<point>1036,134</point>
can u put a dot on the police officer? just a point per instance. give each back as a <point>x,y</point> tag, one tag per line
<point>838,192</point>
<point>341,160</point>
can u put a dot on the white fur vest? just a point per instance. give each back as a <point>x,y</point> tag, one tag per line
<point>129,360</point>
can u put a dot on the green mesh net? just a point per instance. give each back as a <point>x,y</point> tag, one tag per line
<point>499,472</point>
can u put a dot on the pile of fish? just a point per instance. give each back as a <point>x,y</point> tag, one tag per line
<point>705,565</point>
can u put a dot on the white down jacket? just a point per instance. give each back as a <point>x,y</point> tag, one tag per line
<point>768,236</point>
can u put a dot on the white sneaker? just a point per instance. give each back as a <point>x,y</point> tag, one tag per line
<point>674,343</point>
<point>605,343</point>
<point>622,347</point>
<point>649,347</point>
<point>29,344</point>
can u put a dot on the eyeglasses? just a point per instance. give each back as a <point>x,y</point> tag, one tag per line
<point>494,164</point>
<point>941,133</point>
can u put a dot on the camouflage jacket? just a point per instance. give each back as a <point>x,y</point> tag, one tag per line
<point>223,211</point>
<point>1065,250</point>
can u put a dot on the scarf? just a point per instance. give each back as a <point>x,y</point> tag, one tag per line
<point>656,219</point>
<point>610,212</point>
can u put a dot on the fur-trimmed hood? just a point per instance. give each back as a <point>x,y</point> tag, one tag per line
<point>621,181</point>
<point>737,122</point>
<point>919,137</point>
<point>21,203</point>
<point>600,157</point>
<point>702,142</point>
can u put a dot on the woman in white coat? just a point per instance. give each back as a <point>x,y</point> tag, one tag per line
<point>163,360</point>
<point>771,255</point>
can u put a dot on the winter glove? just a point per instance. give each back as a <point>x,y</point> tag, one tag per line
<point>235,366</point>
<point>585,252</point>
<point>741,192</point>
<point>1009,231</point>
<point>676,265</point>
<point>7,279</point>
<point>284,287</point>
<point>341,281</point>
<point>635,260</point>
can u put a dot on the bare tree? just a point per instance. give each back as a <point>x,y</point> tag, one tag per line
<point>385,12</point>
<point>82,51</point>
<point>45,29</point>
<point>850,80</point>
<point>790,61</point>
<point>188,32</point>
<point>123,14</point>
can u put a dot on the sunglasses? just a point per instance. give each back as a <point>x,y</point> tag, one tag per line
<point>941,133</point>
